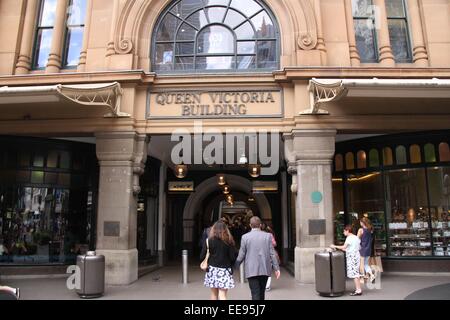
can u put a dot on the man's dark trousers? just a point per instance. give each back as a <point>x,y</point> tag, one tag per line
<point>258,287</point>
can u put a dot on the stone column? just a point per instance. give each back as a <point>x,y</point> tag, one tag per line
<point>355,59</point>
<point>54,63</point>
<point>313,151</point>
<point>23,65</point>
<point>122,157</point>
<point>420,54</point>
<point>87,31</point>
<point>384,43</point>
<point>162,215</point>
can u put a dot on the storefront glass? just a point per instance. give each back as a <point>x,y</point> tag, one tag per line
<point>439,186</point>
<point>47,212</point>
<point>365,199</point>
<point>407,213</point>
<point>404,190</point>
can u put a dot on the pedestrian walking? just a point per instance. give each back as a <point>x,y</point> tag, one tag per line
<point>259,257</point>
<point>365,233</point>
<point>353,257</point>
<point>222,256</point>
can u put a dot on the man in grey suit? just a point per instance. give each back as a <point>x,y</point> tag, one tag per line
<point>259,257</point>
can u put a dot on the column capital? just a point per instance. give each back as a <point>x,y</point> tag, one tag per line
<point>121,146</point>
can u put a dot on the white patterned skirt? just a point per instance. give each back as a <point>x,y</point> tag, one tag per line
<point>219,278</point>
<point>353,261</point>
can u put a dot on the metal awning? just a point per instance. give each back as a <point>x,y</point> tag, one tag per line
<point>108,95</point>
<point>323,91</point>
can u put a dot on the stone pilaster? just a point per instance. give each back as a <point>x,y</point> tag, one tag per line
<point>23,65</point>
<point>313,151</point>
<point>54,63</point>
<point>355,59</point>
<point>386,57</point>
<point>87,31</point>
<point>420,53</point>
<point>122,157</point>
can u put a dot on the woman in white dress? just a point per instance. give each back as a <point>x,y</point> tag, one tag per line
<point>351,247</point>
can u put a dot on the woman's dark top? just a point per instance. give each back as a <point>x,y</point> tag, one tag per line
<point>366,243</point>
<point>221,255</point>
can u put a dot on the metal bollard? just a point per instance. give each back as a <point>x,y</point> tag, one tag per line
<point>185,258</point>
<point>242,273</point>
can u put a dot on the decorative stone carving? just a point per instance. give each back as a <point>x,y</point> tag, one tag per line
<point>307,39</point>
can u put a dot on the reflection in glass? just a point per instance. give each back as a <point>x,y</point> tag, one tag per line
<point>398,30</point>
<point>364,24</point>
<point>400,154</point>
<point>338,213</point>
<point>215,35</point>
<point>407,212</point>
<point>366,199</point>
<point>388,159</point>
<point>439,184</point>
<point>415,154</point>
<point>339,162</point>
<point>444,152</point>
<point>374,158</point>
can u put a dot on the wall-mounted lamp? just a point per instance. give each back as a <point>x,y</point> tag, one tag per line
<point>226,189</point>
<point>254,170</point>
<point>181,171</point>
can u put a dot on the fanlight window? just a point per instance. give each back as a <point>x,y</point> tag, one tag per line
<point>203,35</point>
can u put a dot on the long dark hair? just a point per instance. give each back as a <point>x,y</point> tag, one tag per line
<point>220,231</point>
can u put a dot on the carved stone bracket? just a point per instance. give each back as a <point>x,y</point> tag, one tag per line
<point>307,36</point>
<point>321,93</point>
<point>140,159</point>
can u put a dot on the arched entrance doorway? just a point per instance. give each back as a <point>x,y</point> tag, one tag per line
<point>207,204</point>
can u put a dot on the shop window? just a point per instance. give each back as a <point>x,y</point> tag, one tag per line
<point>365,31</point>
<point>338,207</point>
<point>415,154</point>
<point>52,159</point>
<point>24,159</point>
<point>407,212</point>
<point>64,160</point>
<point>38,160</point>
<point>37,177</point>
<point>362,160</point>
<point>430,153</point>
<point>387,157</point>
<point>64,180</point>
<point>23,176</point>
<point>444,152</point>
<point>51,178</point>
<point>215,35</point>
<point>366,199</point>
<point>398,30</point>
<point>339,163</point>
<point>73,43</point>
<point>400,155</point>
<point>349,161</point>
<point>439,189</point>
<point>44,33</point>
<point>374,158</point>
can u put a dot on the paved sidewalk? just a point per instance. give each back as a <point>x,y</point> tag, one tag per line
<point>165,284</point>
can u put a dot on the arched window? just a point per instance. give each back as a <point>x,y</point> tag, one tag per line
<point>199,35</point>
<point>362,160</point>
<point>415,154</point>
<point>430,153</point>
<point>400,154</point>
<point>350,161</point>
<point>339,163</point>
<point>444,152</point>
<point>388,159</point>
<point>374,158</point>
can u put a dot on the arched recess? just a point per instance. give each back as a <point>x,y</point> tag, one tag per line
<point>209,186</point>
<point>136,20</point>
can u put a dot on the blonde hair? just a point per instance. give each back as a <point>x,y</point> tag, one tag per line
<point>367,223</point>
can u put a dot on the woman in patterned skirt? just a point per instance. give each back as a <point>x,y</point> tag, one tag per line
<point>222,256</point>
<point>351,247</point>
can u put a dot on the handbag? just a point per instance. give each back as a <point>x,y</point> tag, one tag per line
<point>204,264</point>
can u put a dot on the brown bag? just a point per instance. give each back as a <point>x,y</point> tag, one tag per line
<point>204,264</point>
